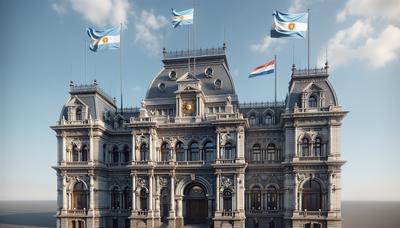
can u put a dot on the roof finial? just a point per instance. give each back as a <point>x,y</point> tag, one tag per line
<point>71,83</point>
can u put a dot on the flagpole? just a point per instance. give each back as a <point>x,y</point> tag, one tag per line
<point>188,49</point>
<point>308,41</point>
<point>194,41</point>
<point>120,66</point>
<point>275,86</point>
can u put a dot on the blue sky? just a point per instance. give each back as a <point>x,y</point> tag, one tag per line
<point>44,44</point>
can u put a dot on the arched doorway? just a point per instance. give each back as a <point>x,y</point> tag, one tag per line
<point>196,204</point>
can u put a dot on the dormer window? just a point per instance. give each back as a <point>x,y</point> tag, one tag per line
<point>268,119</point>
<point>79,113</point>
<point>253,120</point>
<point>312,101</point>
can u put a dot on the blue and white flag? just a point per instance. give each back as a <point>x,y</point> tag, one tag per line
<point>108,39</point>
<point>184,17</point>
<point>266,68</point>
<point>292,25</point>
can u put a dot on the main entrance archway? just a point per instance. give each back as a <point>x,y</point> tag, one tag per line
<point>196,207</point>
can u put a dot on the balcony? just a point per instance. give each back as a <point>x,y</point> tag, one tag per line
<point>228,214</point>
<point>318,213</point>
<point>77,163</point>
<point>312,158</point>
<point>142,213</point>
<point>190,162</point>
<point>77,211</point>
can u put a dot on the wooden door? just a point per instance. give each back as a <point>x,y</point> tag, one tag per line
<point>196,211</point>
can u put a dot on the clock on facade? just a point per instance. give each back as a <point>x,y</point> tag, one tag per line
<point>187,107</point>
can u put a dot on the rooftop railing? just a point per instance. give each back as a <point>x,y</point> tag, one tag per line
<point>90,88</point>
<point>310,72</point>
<point>265,104</point>
<point>194,53</point>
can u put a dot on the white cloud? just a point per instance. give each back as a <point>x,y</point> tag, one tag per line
<point>356,44</point>
<point>148,28</point>
<point>385,9</point>
<point>97,12</point>
<point>60,8</point>
<point>299,6</point>
<point>266,44</point>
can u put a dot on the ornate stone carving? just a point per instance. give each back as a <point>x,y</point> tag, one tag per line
<point>163,181</point>
<point>141,182</point>
<point>226,182</point>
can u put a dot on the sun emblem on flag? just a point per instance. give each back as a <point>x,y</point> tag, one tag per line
<point>105,40</point>
<point>291,26</point>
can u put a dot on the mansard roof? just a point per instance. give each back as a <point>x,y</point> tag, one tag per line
<point>164,86</point>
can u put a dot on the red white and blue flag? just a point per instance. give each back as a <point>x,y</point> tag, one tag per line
<point>266,68</point>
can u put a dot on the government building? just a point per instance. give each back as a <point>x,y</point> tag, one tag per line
<point>193,155</point>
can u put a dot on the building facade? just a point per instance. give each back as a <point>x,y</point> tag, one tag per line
<point>193,154</point>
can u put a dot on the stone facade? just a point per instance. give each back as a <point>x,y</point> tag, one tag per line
<point>192,154</point>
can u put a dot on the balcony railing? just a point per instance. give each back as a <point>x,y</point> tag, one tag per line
<point>225,161</point>
<point>77,211</point>
<point>261,104</point>
<point>312,158</point>
<point>77,163</point>
<point>142,213</point>
<point>318,213</point>
<point>228,214</point>
<point>190,162</point>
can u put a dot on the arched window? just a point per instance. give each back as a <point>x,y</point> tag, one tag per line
<point>165,152</point>
<point>256,198</point>
<point>209,151</point>
<point>317,147</point>
<point>180,151</point>
<point>75,153</point>
<point>115,155</point>
<point>256,153</point>
<point>227,195</point>
<point>271,224</point>
<point>253,120</point>
<point>312,102</point>
<point>268,119</point>
<point>312,225</point>
<point>304,148</point>
<point>144,152</point>
<point>271,155</point>
<point>271,198</point>
<point>79,196</point>
<point>127,198</point>
<point>164,204</point>
<point>84,155</point>
<point>312,196</point>
<point>115,198</point>
<point>104,152</point>
<point>194,154</point>
<point>143,199</point>
<point>126,154</point>
<point>229,152</point>
<point>79,113</point>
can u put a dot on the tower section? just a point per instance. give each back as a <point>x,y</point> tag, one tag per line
<point>312,166</point>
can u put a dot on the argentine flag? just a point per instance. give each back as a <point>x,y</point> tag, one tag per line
<point>289,25</point>
<point>184,17</point>
<point>108,39</point>
<point>266,68</point>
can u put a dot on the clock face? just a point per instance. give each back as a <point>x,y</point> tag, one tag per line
<point>187,107</point>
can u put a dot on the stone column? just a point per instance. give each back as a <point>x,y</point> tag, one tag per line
<point>91,205</point>
<point>151,192</point>
<point>64,192</point>
<point>217,146</point>
<point>329,190</point>
<point>237,193</point>
<point>64,149</point>
<point>179,209</point>
<point>133,146</point>
<point>295,198</point>
<point>172,209</point>
<point>91,159</point>
<point>133,192</point>
<point>217,208</point>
